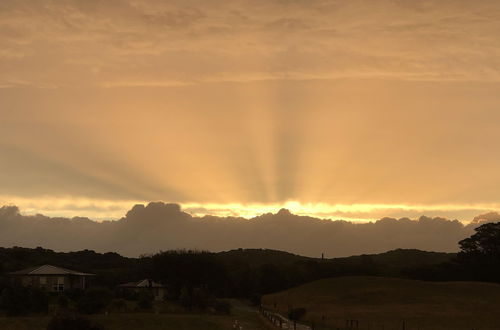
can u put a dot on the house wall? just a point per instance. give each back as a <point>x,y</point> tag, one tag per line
<point>53,283</point>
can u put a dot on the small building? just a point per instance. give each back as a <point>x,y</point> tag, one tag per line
<point>51,278</point>
<point>156,289</point>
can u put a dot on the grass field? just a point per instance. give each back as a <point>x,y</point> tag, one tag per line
<point>246,315</point>
<point>388,303</point>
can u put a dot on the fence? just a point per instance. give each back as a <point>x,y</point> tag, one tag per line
<point>282,322</point>
<point>322,323</point>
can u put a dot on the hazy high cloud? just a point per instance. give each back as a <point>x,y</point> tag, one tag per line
<point>160,226</point>
<point>145,43</point>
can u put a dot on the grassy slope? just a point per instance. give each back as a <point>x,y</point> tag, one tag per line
<point>389,301</point>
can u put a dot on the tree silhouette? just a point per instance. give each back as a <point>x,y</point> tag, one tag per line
<point>480,253</point>
<point>485,242</point>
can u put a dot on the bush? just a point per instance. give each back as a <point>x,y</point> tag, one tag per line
<point>94,300</point>
<point>200,298</point>
<point>296,314</point>
<point>72,323</point>
<point>222,307</point>
<point>145,299</point>
<point>74,294</point>
<point>39,301</point>
<point>21,301</point>
<point>62,301</point>
<point>126,294</point>
<point>119,305</point>
<point>255,299</point>
<point>185,297</point>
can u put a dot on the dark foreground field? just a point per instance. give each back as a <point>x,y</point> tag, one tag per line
<point>247,317</point>
<point>389,303</point>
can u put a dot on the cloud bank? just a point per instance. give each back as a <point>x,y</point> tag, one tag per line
<point>159,226</point>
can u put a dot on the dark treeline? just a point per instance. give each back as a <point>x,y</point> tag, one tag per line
<point>250,273</point>
<point>246,273</point>
<point>478,259</point>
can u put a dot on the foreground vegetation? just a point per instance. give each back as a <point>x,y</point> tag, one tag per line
<point>387,303</point>
<point>143,321</point>
<point>169,318</point>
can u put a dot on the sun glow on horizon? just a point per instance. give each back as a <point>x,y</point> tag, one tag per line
<point>102,210</point>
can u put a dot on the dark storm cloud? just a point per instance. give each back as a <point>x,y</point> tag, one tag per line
<point>160,226</point>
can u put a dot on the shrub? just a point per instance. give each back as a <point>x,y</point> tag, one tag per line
<point>255,299</point>
<point>200,298</point>
<point>222,306</point>
<point>126,294</point>
<point>15,301</point>
<point>119,305</point>
<point>74,294</point>
<point>185,297</point>
<point>72,323</point>
<point>145,299</point>
<point>21,301</point>
<point>39,301</point>
<point>94,300</point>
<point>62,301</point>
<point>296,314</point>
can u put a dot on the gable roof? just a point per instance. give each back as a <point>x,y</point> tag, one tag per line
<point>48,270</point>
<point>146,283</point>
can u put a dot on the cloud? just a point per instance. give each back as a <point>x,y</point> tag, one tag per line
<point>487,217</point>
<point>67,43</point>
<point>159,226</point>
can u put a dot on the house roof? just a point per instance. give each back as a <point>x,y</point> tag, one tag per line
<point>146,283</point>
<point>48,270</point>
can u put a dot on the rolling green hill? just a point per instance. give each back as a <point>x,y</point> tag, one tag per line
<point>385,303</point>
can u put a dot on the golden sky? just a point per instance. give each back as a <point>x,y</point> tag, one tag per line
<point>342,109</point>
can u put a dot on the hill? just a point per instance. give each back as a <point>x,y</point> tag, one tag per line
<point>237,273</point>
<point>259,257</point>
<point>389,263</point>
<point>385,303</point>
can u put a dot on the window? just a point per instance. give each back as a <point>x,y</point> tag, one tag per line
<point>58,284</point>
<point>43,280</point>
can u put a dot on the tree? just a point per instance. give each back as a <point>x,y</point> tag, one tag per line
<point>485,242</point>
<point>480,253</point>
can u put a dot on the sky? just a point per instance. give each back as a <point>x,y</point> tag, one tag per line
<point>349,110</point>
